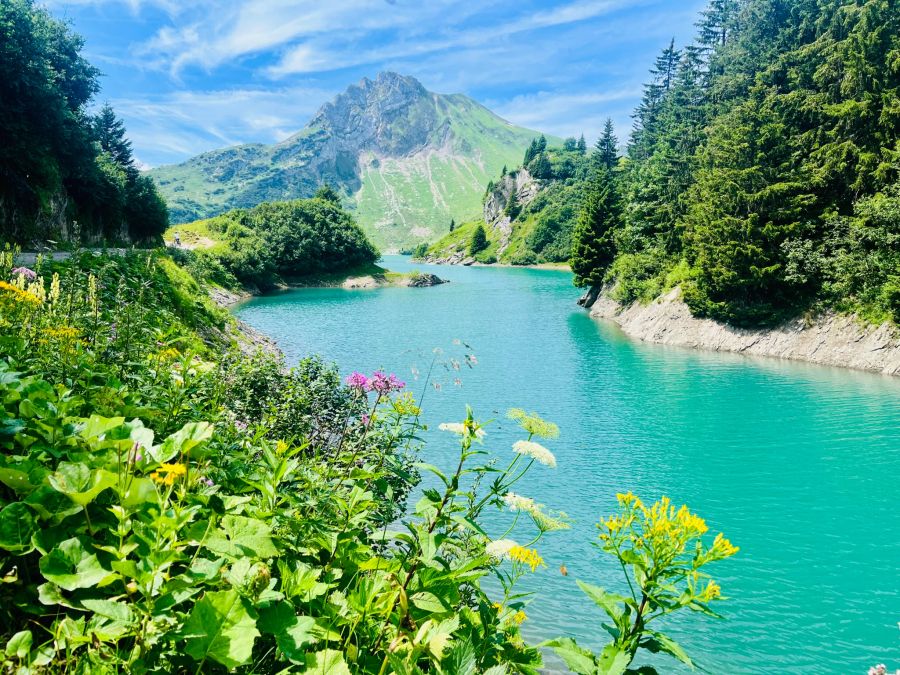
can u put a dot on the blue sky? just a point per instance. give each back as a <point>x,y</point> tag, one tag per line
<point>194,75</point>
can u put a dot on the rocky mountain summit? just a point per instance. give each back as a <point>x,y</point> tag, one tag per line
<point>406,159</point>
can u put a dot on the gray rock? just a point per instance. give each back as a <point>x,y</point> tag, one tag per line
<point>828,339</point>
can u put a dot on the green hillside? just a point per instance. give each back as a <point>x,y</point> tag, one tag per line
<point>405,160</point>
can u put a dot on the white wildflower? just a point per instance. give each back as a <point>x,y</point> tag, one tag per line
<point>516,502</point>
<point>500,549</point>
<point>536,451</point>
<point>459,428</point>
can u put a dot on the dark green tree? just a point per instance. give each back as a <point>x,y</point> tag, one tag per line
<point>479,240</point>
<point>581,147</point>
<point>594,248</point>
<point>541,167</point>
<point>452,224</point>
<point>530,152</point>
<point>328,193</point>
<point>606,152</point>
<point>513,208</point>
<point>541,144</point>
<point>109,131</point>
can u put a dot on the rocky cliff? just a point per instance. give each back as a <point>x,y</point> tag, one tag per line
<point>406,159</point>
<point>828,339</point>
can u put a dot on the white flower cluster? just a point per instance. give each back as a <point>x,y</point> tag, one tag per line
<point>516,502</point>
<point>460,429</point>
<point>536,451</point>
<point>500,549</point>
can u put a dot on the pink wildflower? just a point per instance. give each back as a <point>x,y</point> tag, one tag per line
<point>29,274</point>
<point>359,382</point>
<point>385,384</point>
<point>365,420</point>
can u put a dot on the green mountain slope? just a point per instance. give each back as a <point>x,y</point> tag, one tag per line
<point>405,159</point>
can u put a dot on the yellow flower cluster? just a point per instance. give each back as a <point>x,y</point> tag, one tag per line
<point>167,474</point>
<point>406,405</point>
<point>19,295</point>
<point>518,618</point>
<point>528,556</point>
<point>169,354</point>
<point>62,333</point>
<point>711,592</point>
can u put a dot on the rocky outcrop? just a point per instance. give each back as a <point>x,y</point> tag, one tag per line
<point>424,280</point>
<point>498,224</point>
<point>829,339</point>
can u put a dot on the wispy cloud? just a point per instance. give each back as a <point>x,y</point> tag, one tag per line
<point>184,123</point>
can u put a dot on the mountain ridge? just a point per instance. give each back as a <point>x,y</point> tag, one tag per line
<point>406,160</point>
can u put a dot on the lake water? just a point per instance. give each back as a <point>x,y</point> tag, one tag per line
<point>798,465</point>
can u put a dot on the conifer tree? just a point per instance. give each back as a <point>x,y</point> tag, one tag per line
<point>541,167</point>
<point>594,248</point>
<point>606,152</point>
<point>530,152</point>
<point>109,131</point>
<point>479,240</point>
<point>513,209</point>
<point>452,224</point>
<point>582,145</point>
<point>541,144</point>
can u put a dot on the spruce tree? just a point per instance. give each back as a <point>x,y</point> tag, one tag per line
<point>452,224</point>
<point>530,152</point>
<point>513,209</point>
<point>328,193</point>
<point>541,144</point>
<point>606,152</point>
<point>541,167</point>
<point>109,131</point>
<point>582,145</point>
<point>479,240</point>
<point>594,248</point>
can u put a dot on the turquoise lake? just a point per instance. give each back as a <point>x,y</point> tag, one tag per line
<point>798,465</point>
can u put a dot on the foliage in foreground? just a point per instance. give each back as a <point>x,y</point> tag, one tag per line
<point>165,508</point>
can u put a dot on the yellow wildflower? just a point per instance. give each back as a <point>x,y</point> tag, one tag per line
<point>628,500</point>
<point>20,295</point>
<point>711,592</point>
<point>497,606</point>
<point>518,617</point>
<point>167,474</point>
<point>722,548</point>
<point>533,424</point>
<point>169,354</point>
<point>528,556</point>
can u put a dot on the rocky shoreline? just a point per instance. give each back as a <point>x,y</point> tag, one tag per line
<point>828,339</point>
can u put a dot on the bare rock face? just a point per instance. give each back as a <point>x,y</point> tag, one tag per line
<point>829,339</point>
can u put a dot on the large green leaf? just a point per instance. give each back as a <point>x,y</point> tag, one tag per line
<point>611,603</point>
<point>70,566</point>
<point>239,536</point>
<point>659,642</point>
<point>221,627</point>
<point>327,662</point>
<point>293,633</point>
<point>613,660</point>
<point>17,525</point>
<point>97,426</point>
<point>79,483</point>
<point>19,645</point>
<point>184,441</point>
<point>578,659</point>
<point>117,611</point>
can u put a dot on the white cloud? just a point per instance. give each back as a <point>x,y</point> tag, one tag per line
<point>571,114</point>
<point>172,127</point>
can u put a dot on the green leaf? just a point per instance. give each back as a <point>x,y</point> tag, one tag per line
<point>98,426</point>
<point>429,602</point>
<point>327,662</point>
<point>184,441</point>
<point>19,645</point>
<point>79,483</point>
<point>117,611</point>
<point>578,659</point>
<point>16,480</point>
<point>239,536</point>
<point>613,660</point>
<point>70,566</point>
<point>611,603</point>
<point>17,525</point>
<point>51,594</point>
<point>221,627</point>
<point>292,633</point>
<point>659,642</point>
